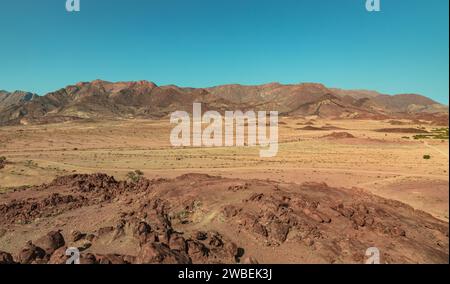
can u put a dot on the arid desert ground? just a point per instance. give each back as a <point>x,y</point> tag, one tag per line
<point>335,188</point>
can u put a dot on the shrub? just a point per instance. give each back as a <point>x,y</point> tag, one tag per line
<point>135,176</point>
<point>426,157</point>
<point>2,162</point>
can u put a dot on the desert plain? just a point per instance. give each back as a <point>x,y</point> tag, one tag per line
<point>336,186</point>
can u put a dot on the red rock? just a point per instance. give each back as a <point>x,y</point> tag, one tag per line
<point>88,258</point>
<point>157,253</point>
<point>250,260</point>
<point>111,259</point>
<point>197,250</point>
<point>359,220</point>
<point>105,230</point>
<point>260,230</point>
<point>178,243</point>
<point>30,253</point>
<point>201,236</point>
<point>397,231</point>
<point>51,242</point>
<point>313,215</point>
<point>77,235</point>
<point>231,249</point>
<point>143,228</point>
<point>279,231</point>
<point>215,240</point>
<point>59,256</point>
<point>230,211</point>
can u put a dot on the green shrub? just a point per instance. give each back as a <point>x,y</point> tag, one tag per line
<point>135,176</point>
<point>426,157</point>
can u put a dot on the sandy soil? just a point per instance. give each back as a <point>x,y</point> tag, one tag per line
<point>389,165</point>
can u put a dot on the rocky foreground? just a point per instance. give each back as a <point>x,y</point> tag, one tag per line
<point>203,219</point>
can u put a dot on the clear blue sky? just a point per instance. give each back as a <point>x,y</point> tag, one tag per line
<point>199,43</point>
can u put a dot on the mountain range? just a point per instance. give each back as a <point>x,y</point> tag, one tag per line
<point>142,99</point>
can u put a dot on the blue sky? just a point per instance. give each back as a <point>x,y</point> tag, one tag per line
<point>199,43</point>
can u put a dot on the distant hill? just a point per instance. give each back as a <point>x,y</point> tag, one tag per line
<point>18,97</point>
<point>106,100</point>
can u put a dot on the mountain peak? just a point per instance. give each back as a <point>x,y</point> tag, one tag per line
<point>105,100</point>
<point>8,99</point>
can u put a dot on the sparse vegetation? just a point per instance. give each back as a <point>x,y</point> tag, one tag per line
<point>2,162</point>
<point>31,164</point>
<point>183,215</point>
<point>437,133</point>
<point>419,131</point>
<point>7,189</point>
<point>135,176</point>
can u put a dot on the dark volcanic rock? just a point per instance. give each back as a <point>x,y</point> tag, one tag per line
<point>6,258</point>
